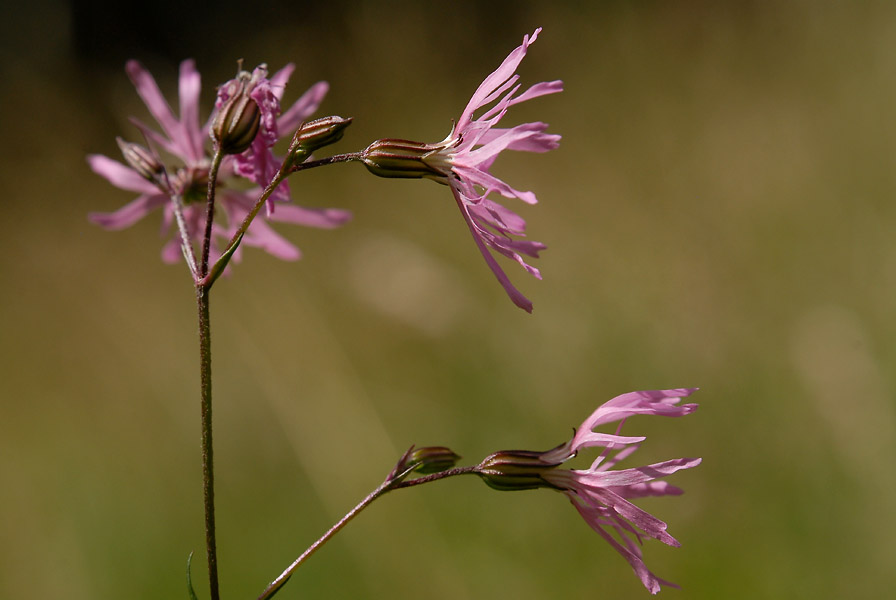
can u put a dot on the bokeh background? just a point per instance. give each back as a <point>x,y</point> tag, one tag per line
<point>720,214</point>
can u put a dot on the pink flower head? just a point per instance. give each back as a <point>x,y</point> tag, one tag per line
<point>185,139</point>
<point>472,147</point>
<point>463,161</point>
<point>601,495</point>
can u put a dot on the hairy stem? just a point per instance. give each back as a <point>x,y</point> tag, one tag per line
<point>205,377</point>
<point>208,472</point>
<point>187,246</point>
<point>244,226</point>
<point>277,180</point>
<point>389,484</point>
<point>286,574</point>
<point>337,158</point>
<point>436,477</point>
<point>210,211</point>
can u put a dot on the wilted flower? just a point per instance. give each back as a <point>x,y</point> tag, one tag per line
<point>464,158</point>
<point>185,139</point>
<point>601,495</point>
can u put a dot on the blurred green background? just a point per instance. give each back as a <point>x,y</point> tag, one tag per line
<point>720,214</point>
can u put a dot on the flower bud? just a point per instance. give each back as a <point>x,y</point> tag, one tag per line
<point>432,459</point>
<point>405,159</point>
<point>238,119</point>
<point>316,134</point>
<point>511,470</point>
<point>140,159</point>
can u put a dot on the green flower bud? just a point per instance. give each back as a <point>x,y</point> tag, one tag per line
<point>512,470</point>
<point>432,459</point>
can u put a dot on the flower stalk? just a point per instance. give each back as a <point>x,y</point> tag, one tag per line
<point>210,210</point>
<point>281,579</point>
<point>208,471</point>
<point>418,461</point>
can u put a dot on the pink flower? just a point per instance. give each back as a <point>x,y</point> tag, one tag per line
<point>473,146</point>
<point>463,161</point>
<point>601,495</point>
<point>185,139</point>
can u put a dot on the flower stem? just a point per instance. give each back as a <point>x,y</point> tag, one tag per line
<point>277,180</point>
<point>178,204</point>
<point>436,477</point>
<point>286,574</point>
<point>208,472</point>
<point>244,226</point>
<point>337,158</point>
<point>210,211</point>
<point>389,484</point>
<point>205,377</point>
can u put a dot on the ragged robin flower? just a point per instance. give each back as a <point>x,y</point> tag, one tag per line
<point>187,141</point>
<point>463,161</point>
<point>602,494</point>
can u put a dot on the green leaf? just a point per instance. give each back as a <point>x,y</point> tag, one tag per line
<point>189,579</point>
<point>220,265</point>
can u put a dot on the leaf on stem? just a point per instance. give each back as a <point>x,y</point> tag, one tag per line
<point>189,579</point>
<point>221,263</point>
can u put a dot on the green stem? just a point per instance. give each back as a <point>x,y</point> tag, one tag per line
<point>208,472</point>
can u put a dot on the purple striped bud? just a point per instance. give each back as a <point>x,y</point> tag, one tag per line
<point>511,470</point>
<point>316,134</point>
<point>238,120</point>
<point>406,159</point>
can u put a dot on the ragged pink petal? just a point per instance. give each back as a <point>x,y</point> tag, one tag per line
<point>128,214</point>
<point>304,107</point>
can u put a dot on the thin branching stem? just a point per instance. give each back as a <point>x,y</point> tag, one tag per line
<point>389,484</point>
<point>178,202</point>
<point>277,180</point>
<point>336,158</point>
<point>204,281</point>
<point>244,226</point>
<point>436,477</point>
<point>210,211</point>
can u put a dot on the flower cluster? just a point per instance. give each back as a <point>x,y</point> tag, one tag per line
<point>600,494</point>
<point>463,161</point>
<point>186,140</point>
<point>235,149</point>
